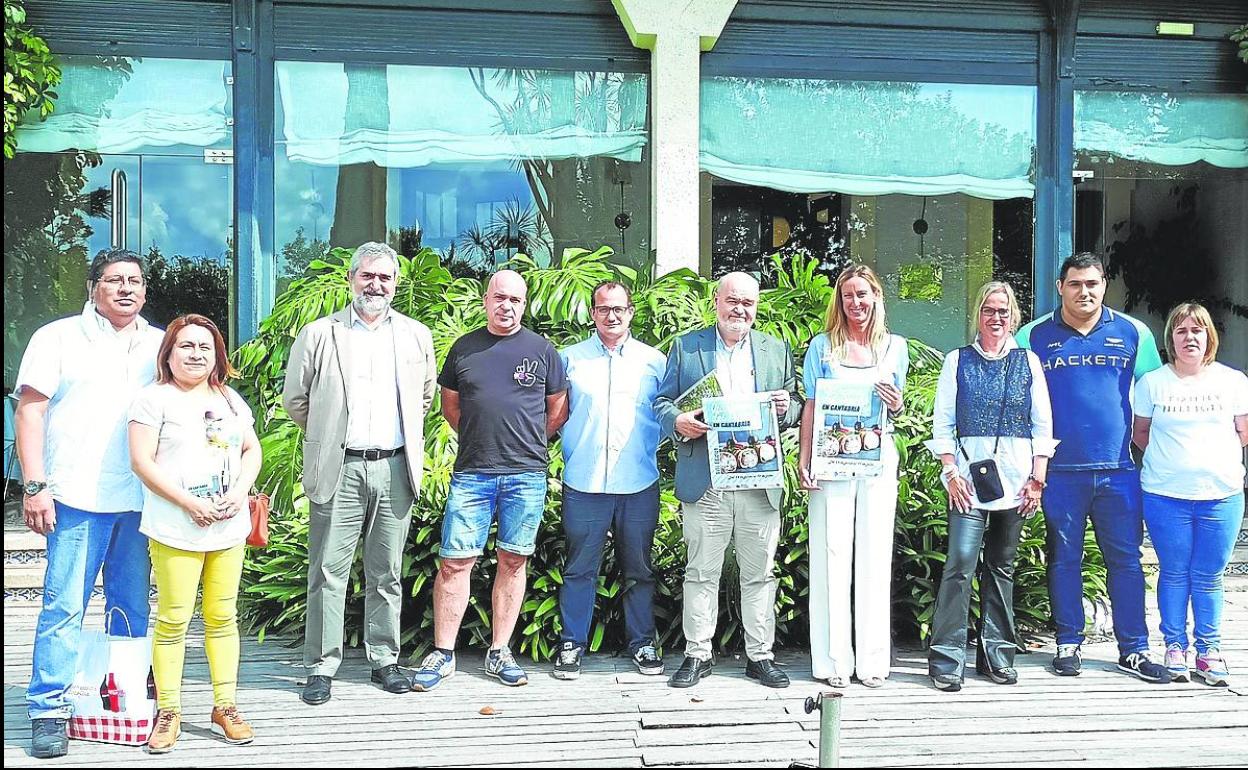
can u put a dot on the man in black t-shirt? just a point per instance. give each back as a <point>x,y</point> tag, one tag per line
<point>504,392</point>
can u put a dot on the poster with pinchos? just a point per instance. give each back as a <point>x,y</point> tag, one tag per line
<point>743,443</point>
<point>848,430</point>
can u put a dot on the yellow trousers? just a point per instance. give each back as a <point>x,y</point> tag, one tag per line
<point>178,577</point>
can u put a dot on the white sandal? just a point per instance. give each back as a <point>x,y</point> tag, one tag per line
<point>839,682</point>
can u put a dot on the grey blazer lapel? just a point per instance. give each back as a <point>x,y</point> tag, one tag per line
<point>340,329</point>
<point>706,351</point>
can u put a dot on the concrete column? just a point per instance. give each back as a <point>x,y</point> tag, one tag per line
<point>675,34</point>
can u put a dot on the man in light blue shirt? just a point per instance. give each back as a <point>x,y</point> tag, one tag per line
<point>610,478</point>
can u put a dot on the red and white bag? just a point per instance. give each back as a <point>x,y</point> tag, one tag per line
<point>114,691</point>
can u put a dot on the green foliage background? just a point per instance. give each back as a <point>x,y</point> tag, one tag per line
<point>30,73</point>
<point>559,302</point>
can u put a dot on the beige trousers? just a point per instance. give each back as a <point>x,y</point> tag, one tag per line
<point>747,520</point>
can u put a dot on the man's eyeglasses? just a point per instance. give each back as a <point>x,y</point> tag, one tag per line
<point>117,281</point>
<point>1002,312</point>
<point>605,310</point>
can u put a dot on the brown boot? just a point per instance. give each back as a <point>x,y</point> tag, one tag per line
<point>230,725</point>
<point>165,733</point>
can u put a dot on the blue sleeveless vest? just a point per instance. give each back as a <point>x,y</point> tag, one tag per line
<point>981,386</point>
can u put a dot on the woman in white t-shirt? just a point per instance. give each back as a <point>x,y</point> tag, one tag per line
<point>193,445</point>
<point>1191,420</point>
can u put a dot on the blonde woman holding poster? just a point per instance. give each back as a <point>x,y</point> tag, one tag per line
<point>852,510</point>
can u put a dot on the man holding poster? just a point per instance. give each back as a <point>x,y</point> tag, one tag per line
<point>747,367</point>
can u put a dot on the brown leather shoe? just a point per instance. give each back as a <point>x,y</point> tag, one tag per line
<point>230,725</point>
<point>165,733</point>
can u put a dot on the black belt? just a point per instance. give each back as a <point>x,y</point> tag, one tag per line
<point>374,454</point>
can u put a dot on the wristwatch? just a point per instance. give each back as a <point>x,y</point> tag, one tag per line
<point>32,488</point>
<point>1041,482</point>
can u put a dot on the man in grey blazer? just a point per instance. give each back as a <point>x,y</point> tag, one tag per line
<point>744,361</point>
<point>359,382</point>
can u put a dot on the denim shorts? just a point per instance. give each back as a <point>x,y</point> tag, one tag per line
<point>518,498</point>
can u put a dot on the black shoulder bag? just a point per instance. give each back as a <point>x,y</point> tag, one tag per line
<point>985,476</point>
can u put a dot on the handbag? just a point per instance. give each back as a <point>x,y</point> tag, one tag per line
<point>113,695</point>
<point>259,507</point>
<point>985,476</point>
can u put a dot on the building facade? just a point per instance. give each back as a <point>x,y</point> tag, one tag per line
<point>945,143</point>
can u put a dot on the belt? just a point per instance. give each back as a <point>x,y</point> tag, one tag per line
<point>374,454</point>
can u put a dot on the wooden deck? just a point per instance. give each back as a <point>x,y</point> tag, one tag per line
<point>614,717</point>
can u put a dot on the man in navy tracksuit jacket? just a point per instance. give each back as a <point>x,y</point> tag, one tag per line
<point>1091,356</point>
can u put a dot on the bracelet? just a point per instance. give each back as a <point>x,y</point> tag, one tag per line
<point>947,472</point>
<point>1042,483</point>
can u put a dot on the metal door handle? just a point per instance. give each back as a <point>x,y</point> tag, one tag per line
<point>119,214</point>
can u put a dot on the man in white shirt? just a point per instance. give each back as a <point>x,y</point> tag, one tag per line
<point>359,382</point>
<point>76,381</point>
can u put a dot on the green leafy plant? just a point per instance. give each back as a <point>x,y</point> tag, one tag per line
<point>30,73</point>
<point>1240,36</point>
<point>276,580</point>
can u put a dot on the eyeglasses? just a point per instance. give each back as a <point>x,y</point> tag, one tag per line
<point>117,281</point>
<point>604,310</point>
<point>1001,312</point>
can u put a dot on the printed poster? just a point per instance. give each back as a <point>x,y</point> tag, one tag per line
<point>848,430</point>
<point>743,444</point>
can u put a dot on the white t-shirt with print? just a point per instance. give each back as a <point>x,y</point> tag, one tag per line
<point>201,447</point>
<point>1194,452</point>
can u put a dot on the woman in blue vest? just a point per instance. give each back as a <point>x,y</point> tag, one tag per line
<point>992,429</point>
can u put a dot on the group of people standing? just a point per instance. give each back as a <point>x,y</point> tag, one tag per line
<point>361,381</point>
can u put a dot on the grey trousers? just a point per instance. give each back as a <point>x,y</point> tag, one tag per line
<point>747,520</point>
<point>374,497</point>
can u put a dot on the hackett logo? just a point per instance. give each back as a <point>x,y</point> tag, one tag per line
<point>1059,362</point>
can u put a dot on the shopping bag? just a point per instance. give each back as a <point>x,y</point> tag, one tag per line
<point>114,691</point>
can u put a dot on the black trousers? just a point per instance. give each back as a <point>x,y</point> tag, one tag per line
<point>998,532</point>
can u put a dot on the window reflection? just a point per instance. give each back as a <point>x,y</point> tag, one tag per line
<point>484,165</point>
<point>931,184</point>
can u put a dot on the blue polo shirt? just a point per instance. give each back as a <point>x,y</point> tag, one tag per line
<point>1090,379</point>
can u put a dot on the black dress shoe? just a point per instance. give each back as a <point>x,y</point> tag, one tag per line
<point>690,671</point>
<point>767,673</point>
<point>391,679</point>
<point>316,691</point>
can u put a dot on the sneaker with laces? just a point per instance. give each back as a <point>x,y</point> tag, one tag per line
<point>568,661</point>
<point>49,737</point>
<point>1211,667</point>
<point>647,660</point>
<point>230,725</point>
<point>1068,661</point>
<point>165,733</point>
<point>1141,665</point>
<point>502,665</point>
<point>1176,663</point>
<point>434,669</point>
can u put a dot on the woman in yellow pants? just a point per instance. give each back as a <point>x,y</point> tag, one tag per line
<point>193,444</point>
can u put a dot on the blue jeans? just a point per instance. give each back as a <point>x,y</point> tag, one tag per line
<point>1194,540</point>
<point>519,500</point>
<point>81,544</point>
<point>1112,499</point>
<point>632,519</point>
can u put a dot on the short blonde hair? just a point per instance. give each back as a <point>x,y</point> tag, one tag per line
<point>1198,313</point>
<point>999,287</point>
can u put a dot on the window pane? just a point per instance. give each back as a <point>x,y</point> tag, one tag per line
<point>484,164</point>
<point>930,184</point>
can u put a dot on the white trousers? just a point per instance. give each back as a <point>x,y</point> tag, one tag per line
<point>851,563</point>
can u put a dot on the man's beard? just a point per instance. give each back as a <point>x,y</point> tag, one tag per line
<point>372,304</point>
